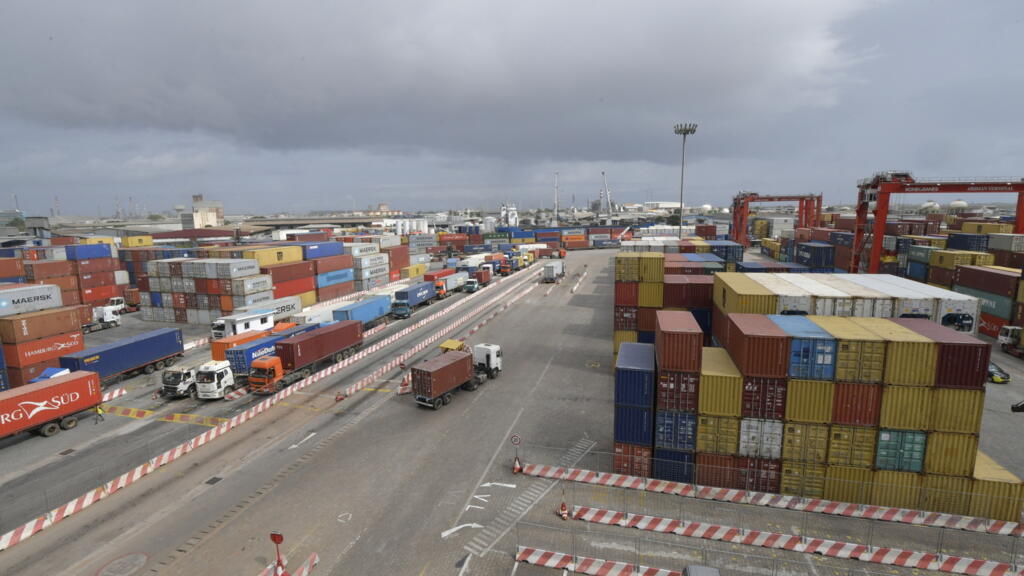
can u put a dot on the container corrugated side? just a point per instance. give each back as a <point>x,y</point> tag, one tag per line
<point>995,491</point>
<point>735,292</point>
<point>805,479</point>
<point>652,267</point>
<point>651,294</point>
<point>910,358</point>
<point>717,470</point>
<point>634,425</point>
<point>950,454</point>
<point>848,484</point>
<point>857,404</point>
<point>761,438</point>
<point>805,442</point>
<point>718,435</point>
<point>758,346</point>
<point>621,336</point>
<point>810,400</point>
<point>627,267</point>
<point>949,494</point>
<point>962,360</point>
<point>896,489</point>
<point>852,446</point>
<point>905,407</point>
<point>860,353</point>
<point>721,385</point>
<point>675,430</point>
<point>900,450</point>
<point>956,410</point>
<point>678,340</point>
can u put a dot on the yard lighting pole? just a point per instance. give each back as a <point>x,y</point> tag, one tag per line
<point>684,130</point>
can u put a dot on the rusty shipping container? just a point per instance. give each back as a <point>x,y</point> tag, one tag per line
<point>678,341</point>
<point>42,324</point>
<point>764,398</point>
<point>688,291</point>
<point>857,404</point>
<point>646,319</point>
<point>43,269</point>
<point>718,470</point>
<point>441,374</point>
<point>305,349</point>
<point>627,294</point>
<point>758,346</point>
<point>677,390</point>
<point>631,460</point>
<point>281,273</point>
<point>961,360</point>
<point>759,474</point>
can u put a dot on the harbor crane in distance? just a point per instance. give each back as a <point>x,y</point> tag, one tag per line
<point>808,214</point>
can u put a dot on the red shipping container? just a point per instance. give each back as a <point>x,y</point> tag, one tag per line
<point>632,460</point>
<point>627,293</point>
<point>941,276</point>
<point>28,407</point>
<point>764,398</point>
<point>99,293</point>
<point>43,324</point>
<point>706,231</point>
<point>843,256</point>
<point>856,404</point>
<point>180,315</point>
<point>717,470</point>
<point>962,359</point>
<point>821,234</point>
<point>441,374</point>
<point>991,280</point>
<point>758,346</point>
<point>646,319</point>
<point>294,287</point>
<point>64,282</point>
<point>688,291</point>
<point>897,228</point>
<point>21,376</point>
<point>309,237</point>
<point>453,237</point>
<point>433,276</point>
<point>11,267</point>
<point>191,301</point>
<point>1008,259</point>
<point>335,291</point>
<point>625,318</point>
<point>63,241</point>
<point>394,275</point>
<point>178,300</point>
<point>678,341</point>
<point>576,244</point>
<point>94,279</point>
<point>281,273</point>
<point>227,303</point>
<point>35,351</point>
<point>990,325</point>
<point>43,269</point>
<point>143,283</point>
<point>720,326</point>
<point>70,297</point>
<point>94,265</point>
<point>305,349</point>
<point>759,474</point>
<point>677,390</point>
<point>398,257</point>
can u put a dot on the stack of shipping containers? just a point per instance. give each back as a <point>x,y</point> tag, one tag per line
<point>35,330</point>
<point>371,267</point>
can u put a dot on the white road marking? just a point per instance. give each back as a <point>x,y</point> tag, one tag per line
<point>482,497</point>
<point>474,506</point>
<point>465,565</point>
<point>489,484</point>
<point>451,531</point>
<point>344,517</point>
<point>494,457</point>
<point>296,445</point>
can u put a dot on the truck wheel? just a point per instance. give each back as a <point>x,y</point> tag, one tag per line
<point>339,357</point>
<point>447,398</point>
<point>160,365</point>
<point>192,392</point>
<point>49,429</point>
<point>149,369</point>
<point>170,361</point>
<point>68,422</point>
<point>437,403</point>
<point>228,390</point>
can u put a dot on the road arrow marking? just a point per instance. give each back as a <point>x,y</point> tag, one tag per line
<point>451,531</point>
<point>296,445</point>
<point>482,498</point>
<point>489,484</point>
<point>474,506</point>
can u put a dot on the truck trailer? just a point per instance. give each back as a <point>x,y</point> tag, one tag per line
<point>370,311</point>
<point>241,357</point>
<point>49,406</point>
<point>300,356</point>
<point>435,380</point>
<point>553,271</point>
<point>146,353</point>
<point>409,299</point>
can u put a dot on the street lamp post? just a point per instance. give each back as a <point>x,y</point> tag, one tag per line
<point>277,539</point>
<point>684,130</point>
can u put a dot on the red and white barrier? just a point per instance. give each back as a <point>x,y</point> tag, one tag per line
<point>817,505</point>
<point>111,394</point>
<point>304,570</point>
<point>585,565</point>
<point>793,543</point>
<point>196,343</point>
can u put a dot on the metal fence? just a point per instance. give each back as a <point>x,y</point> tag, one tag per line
<point>745,515</point>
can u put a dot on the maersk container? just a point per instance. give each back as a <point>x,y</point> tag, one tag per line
<point>87,251</point>
<point>128,354</point>
<point>901,450</point>
<point>282,307</point>
<point>812,350</point>
<point>634,425</point>
<point>675,430</point>
<point>673,465</point>
<point>828,301</point>
<point>635,376</point>
<point>24,298</point>
<point>366,311</point>
<point>791,298</point>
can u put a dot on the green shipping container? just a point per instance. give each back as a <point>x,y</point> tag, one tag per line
<point>994,304</point>
<point>900,450</point>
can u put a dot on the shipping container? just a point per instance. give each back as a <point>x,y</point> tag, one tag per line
<point>995,491</point>
<point>758,474</point>
<point>906,407</point>
<point>274,255</point>
<point>848,484</point>
<point>25,298</point>
<point>761,438</point>
<point>219,347</point>
<point>650,294</point>
<point>805,442</point>
<point>652,268</point>
<point>632,459</point>
<point>332,263</point>
<point>434,378</point>
<point>35,325</point>
<point>634,424</point>
<point>673,465</point>
<point>625,318</point>
<point>627,267</point>
<point>805,479</point>
<point>860,353</point>
<point>910,357</point>
<point>1006,242</point>
<point>828,301</point>
<point>990,279</point>
<point>810,400</point>
<point>368,311</point>
<point>896,489</point>
<point>900,450</point>
<point>790,299</point>
<point>677,391</point>
<point>812,354</point>
<point>857,404</point>
<point>718,434</point>
<point>148,351</point>
<point>718,470</point>
<point>87,251</point>
<point>679,340</point>
<point>853,446</point>
<point>675,430</point>
<point>735,292</point>
<point>721,384</point>
<point>620,337</point>
<point>961,360</point>
<point>956,410</point>
<point>30,352</point>
<point>950,454</point>
<point>333,341</point>
<point>867,302</point>
<point>758,346</point>
<point>635,379</point>
<point>948,494</point>
<point>50,405</point>
<point>764,398</point>
<point>687,291</point>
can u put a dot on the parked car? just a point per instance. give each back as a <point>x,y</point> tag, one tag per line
<point>997,374</point>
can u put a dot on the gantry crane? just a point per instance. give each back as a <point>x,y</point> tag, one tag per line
<point>879,187</point>
<point>808,212</point>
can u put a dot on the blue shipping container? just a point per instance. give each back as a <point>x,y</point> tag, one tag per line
<point>334,277</point>
<point>366,311</point>
<point>703,318</point>
<point>87,251</point>
<point>673,465</point>
<point>675,430</point>
<point>841,239</point>
<point>816,254</point>
<point>634,425</point>
<point>416,294</point>
<point>970,242</point>
<point>645,337</point>
<point>241,357</point>
<point>635,378</point>
<point>157,299</point>
<point>126,354</point>
<point>917,271</point>
<point>812,350</point>
<point>312,250</point>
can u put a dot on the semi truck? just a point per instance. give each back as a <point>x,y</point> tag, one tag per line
<point>49,406</point>
<point>1010,341</point>
<point>446,286</point>
<point>409,299</point>
<point>435,380</point>
<point>253,321</point>
<point>148,352</point>
<point>300,356</point>
<point>241,357</point>
<point>370,311</point>
<point>552,271</point>
<point>179,381</point>
<point>214,380</point>
<point>103,317</point>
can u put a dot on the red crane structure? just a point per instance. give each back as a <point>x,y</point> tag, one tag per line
<point>882,185</point>
<point>808,214</point>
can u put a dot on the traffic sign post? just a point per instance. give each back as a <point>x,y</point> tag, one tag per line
<point>517,466</point>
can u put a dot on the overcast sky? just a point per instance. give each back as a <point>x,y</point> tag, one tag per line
<point>294,106</point>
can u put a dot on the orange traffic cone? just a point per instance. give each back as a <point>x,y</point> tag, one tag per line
<point>517,466</point>
<point>405,387</point>
<point>339,397</point>
<point>563,511</point>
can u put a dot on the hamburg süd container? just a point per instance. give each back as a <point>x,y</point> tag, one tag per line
<point>812,350</point>
<point>805,442</point>
<point>900,450</point>
<point>30,406</point>
<point>860,353</point>
<point>810,401</point>
<point>718,434</point>
<point>635,378</point>
<point>678,341</point>
<point>852,446</point>
<point>856,404</point>
<point>30,352</point>
<point>721,384</point>
<point>961,360</point>
<point>910,357</point>
<point>761,438</point>
<point>675,430</point>
<point>758,346</point>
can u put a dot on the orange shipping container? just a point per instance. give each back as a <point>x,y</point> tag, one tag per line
<point>219,347</point>
<point>65,283</point>
<point>36,351</point>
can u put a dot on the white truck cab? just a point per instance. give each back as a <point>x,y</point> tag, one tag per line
<point>180,381</point>
<point>253,321</point>
<point>487,359</point>
<point>214,380</point>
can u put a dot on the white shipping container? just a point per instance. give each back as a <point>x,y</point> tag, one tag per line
<point>236,268</point>
<point>949,305</point>
<point>419,259</point>
<point>600,236</point>
<point>23,298</point>
<point>827,300</point>
<point>908,303</point>
<point>867,303</point>
<point>361,249</point>
<point>366,273</point>
<point>387,240</point>
<point>1006,242</point>
<point>243,300</point>
<point>371,283</point>
<point>283,307</point>
<point>147,313</point>
<point>251,284</point>
<point>791,298</point>
<point>192,316</point>
<point>313,316</point>
<point>369,261</point>
<point>203,301</point>
<point>761,438</point>
<point>121,277</point>
<point>177,284</point>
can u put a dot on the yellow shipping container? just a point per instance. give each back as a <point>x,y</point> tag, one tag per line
<point>950,454</point>
<point>805,442</point>
<point>308,298</point>
<point>721,385</point>
<point>1020,291</point>
<point>736,292</point>
<point>137,241</point>
<point>627,267</point>
<point>995,491</point>
<point>718,435</point>
<point>949,259</point>
<point>652,267</point>
<point>909,357</point>
<point>805,479</point>
<point>651,294</point>
<point>860,353</point>
<point>700,245</point>
<point>620,336</point>
<point>987,228</point>
<point>956,410</point>
<point>414,271</point>
<point>896,489</point>
<point>810,400</point>
<point>97,240</point>
<point>847,484</point>
<point>274,255</point>
<point>905,407</point>
<point>949,494</point>
<point>938,243</point>
<point>852,446</point>
<point>982,258</point>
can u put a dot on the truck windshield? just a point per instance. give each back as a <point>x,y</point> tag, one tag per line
<point>217,327</point>
<point>206,377</point>
<point>172,377</point>
<point>261,373</point>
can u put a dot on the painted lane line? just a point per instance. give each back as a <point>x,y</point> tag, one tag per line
<point>451,531</point>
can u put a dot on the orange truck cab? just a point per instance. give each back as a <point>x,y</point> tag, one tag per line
<point>265,373</point>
